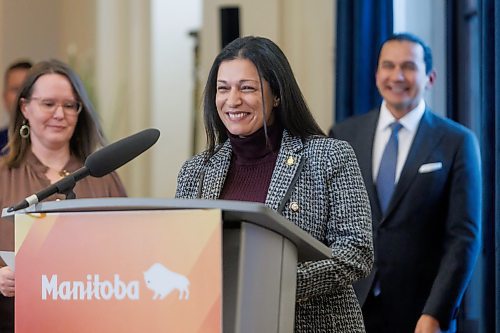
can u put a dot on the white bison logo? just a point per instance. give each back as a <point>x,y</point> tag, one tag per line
<point>162,281</point>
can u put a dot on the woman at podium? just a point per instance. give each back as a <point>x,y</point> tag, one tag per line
<point>53,131</point>
<point>264,146</point>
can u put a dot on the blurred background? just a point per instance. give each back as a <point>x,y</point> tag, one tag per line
<point>145,62</point>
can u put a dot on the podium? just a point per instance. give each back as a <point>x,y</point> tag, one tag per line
<point>259,248</point>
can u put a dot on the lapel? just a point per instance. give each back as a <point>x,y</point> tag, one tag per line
<point>287,163</point>
<point>423,144</point>
<point>289,158</point>
<point>216,171</point>
<point>364,154</point>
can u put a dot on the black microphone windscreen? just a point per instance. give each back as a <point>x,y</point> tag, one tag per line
<point>111,157</point>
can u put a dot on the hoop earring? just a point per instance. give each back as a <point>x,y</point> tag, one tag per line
<point>24,131</point>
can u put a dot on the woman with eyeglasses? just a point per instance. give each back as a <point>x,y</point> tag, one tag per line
<point>53,131</point>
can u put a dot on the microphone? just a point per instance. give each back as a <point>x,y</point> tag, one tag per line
<point>111,157</point>
<point>98,164</point>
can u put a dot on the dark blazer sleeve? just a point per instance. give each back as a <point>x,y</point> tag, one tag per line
<point>462,239</point>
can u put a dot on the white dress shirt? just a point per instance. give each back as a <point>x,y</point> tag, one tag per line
<point>406,134</point>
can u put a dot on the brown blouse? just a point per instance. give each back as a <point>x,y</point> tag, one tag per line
<point>18,183</point>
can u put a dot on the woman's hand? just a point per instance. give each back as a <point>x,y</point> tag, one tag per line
<point>7,282</point>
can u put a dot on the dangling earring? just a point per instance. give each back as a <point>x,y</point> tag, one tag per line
<point>276,102</point>
<point>24,131</point>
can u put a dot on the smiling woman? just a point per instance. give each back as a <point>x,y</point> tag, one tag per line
<point>241,97</point>
<point>52,123</point>
<point>265,146</point>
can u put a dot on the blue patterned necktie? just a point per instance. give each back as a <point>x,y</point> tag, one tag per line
<point>386,179</point>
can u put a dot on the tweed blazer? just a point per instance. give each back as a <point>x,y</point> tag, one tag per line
<point>321,177</point>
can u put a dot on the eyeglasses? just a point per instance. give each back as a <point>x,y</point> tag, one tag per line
<point>47,105</point>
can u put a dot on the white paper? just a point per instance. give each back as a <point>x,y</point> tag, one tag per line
<point>8,258</point>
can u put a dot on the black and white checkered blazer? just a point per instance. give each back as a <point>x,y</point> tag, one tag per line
<point>328,200</point>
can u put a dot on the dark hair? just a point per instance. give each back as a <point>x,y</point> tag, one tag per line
<point>272,66</point>
<point>88,135</point>
<point>409,37</point>
<point>22,64</point>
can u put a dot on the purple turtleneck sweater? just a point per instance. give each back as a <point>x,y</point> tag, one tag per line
<point>252,165</point>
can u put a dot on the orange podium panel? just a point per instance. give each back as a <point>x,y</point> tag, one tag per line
<point>120,271</point>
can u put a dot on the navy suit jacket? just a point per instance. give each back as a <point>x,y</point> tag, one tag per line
<point>428,241</point>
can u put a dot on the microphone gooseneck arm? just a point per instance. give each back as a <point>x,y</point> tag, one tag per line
<point>64,186</point>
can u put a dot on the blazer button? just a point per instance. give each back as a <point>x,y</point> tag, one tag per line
<point>294,206</point>
<point>290,161</point>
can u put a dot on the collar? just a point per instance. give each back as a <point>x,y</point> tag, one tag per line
<point>289,145</point>
<point>409,121</point>
<point>255,146</point>
<point>31,159</point>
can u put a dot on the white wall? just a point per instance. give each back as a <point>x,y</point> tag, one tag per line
<point>173,80</point>
<point>308,41</point>
<point>122,78</point>
<point>426,19</point>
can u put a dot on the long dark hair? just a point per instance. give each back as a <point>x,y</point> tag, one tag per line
<point>272,66</point>
<point>88,134</point>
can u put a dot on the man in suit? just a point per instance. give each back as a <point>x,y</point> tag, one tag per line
<point>13,80</point>
<point>422,173</point>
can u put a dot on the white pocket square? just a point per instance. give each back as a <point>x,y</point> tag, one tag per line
<point>429,167</point>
